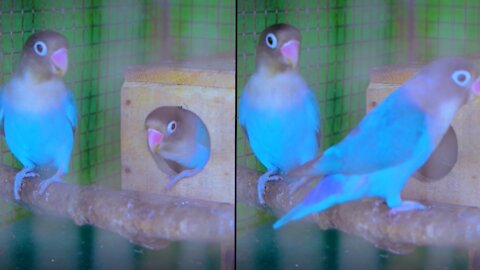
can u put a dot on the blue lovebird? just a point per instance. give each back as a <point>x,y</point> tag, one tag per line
<point>38,111</point>
<point>178,141</point>
<point>391,142</point>
<point>277,110</point>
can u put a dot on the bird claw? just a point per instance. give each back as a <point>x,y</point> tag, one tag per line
<point>30,174</point>
<point>177,177</point>
<point>405,207</point>
<point>295,185</point>
<point>47,182</point>
<point>19,177</point>
<point>173,180</point>
<point>262,181</point>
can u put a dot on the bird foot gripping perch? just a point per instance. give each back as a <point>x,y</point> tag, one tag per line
<point>28,173</point>
<point>406,206</point>
<point>262,182</point>
<point>177,177</point>
<point>19,177</point>
<point>47,182</point>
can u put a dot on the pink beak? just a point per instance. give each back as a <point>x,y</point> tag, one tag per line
<point>290,52</point>
<point>155,138</point>
<point>59,60</point>
<point>476,87</point>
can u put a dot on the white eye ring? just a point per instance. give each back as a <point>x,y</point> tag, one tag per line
<point>171,127</point>
<point>271,40</point>
<point>459,80</point>
<point>40,48</point>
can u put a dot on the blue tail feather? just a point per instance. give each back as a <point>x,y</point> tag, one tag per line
<point>322,197</point>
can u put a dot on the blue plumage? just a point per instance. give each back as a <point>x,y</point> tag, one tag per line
<point>178,141</point>
<point>277,110</point>
<point>282,138</point>
<point>38,139</point>
<point>391,142</point>
<point>37,110</point>
<point>379,140</point>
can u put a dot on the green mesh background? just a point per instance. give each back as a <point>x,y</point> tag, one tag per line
<point>445,28</point>
<point>104,38</point>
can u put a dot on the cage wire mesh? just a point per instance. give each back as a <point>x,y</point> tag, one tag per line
<point>104,38</point>
<point>445,28</point>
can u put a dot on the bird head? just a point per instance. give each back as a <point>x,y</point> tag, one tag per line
<point>45,54</point>
<point>450,78</point>
<point>166,127</point>
<point>279,48</point>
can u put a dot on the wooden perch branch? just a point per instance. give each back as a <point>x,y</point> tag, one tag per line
<point>440,224</point>
<point>149,220</point>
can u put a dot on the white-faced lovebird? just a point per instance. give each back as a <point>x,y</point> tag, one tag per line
<point>38,111</point>
<point>178,141</point>
<point>390,143</point>
<point>277,110</point>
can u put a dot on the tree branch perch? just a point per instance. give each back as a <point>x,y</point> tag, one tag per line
<point>150,220</point>
<point>440,224</point>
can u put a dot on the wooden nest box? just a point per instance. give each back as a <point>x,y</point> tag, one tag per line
<point>452,173</point>
<point>206,89</point>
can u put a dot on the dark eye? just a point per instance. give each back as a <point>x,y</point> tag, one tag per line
<point>271,40</point>
<point>171,127</point>
<point>40,48</point>
<point>461,77</point>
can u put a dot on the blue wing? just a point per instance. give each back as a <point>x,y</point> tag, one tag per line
<point>1,111</point>
<point>387,136</point>
<point>313,116</point>
<point>71,110</point>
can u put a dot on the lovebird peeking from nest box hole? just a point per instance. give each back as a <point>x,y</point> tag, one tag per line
<point>178,141</point>
<point>395,139</point>
<point>38,111</point>
<point>277,111</point>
